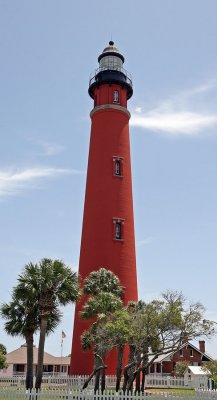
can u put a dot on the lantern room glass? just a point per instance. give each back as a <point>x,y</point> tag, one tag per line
<point>111,62</point>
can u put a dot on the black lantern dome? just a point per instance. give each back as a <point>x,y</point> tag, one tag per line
<point>110,71</point>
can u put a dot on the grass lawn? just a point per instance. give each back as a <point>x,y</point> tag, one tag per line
<point>55,392</point>
<point>169,390</point>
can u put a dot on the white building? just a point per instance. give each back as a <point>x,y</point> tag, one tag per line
<point>196,377</point>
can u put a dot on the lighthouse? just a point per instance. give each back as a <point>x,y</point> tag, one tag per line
<point>108,223</point>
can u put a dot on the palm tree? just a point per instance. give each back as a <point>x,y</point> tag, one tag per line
<point>118,330</point>
<point>22,320</point>
<point>55,284</point>
<point>102,280</point>
<point>99,307</point>
<point>105,291</point>
<point>22,315</point>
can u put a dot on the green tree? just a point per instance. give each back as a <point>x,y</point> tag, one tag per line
<point>210,367</point>
<point>3,349</point>
<point>3,361</point>
<point>102,280</point>
<point>23,319</point>
<point>181,367</point>
<point>100,307</point>
<point>104,291</point>
<point>158,328</point>
<point>54,284</point>
<point>117,329</point>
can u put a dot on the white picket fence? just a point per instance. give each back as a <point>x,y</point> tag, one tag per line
<point>62,381</point>
<point>13,388</point>
<point>88,395</point>
<point>78,381</point>
<point>162,381</point>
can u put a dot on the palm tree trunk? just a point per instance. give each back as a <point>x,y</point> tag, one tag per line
<point>85,385</point>
<point>119,366</point>
<point>128,370</point>
<point>29,372</point>
<point>97,379</point>
<point>103,380</point>
<point>144,373</point>
<point>137,389</point>
<point>43,328</point>
<point>144,369</point>
<point>98,372</point>
<point>138,372</point>
<point>103,374</point>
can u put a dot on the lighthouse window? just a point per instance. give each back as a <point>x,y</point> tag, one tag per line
<point>117,167</point>
<point>118,163</point>
<point>118,231</point>
<point>116,96</point>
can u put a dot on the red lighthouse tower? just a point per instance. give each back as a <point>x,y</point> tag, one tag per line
<point>108,224</point>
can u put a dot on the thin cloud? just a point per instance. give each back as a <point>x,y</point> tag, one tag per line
<point>145,241</point>
<point>204,88</point>
<point>183,114</point>
<point>14,181</point>
<point>185,123</point>
<point>50,149</point>
<point>47,148</point>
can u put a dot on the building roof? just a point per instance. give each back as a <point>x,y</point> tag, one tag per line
<point>196,370</point>
<point>168,357</point>
<point>19,356</point>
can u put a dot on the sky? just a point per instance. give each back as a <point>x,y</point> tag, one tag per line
<point>48,50</point>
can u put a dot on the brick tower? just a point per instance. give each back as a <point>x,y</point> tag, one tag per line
<point>108,224</point>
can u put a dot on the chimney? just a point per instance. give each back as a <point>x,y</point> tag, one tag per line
<point>202,346</point>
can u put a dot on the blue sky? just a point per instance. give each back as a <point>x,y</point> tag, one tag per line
<point>48,50</point>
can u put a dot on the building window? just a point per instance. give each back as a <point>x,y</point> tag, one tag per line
<point>118,166</point>
<point>191,353</point>
<point>118,224</point>
<point>181,353</point>
<point>116,96</point>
